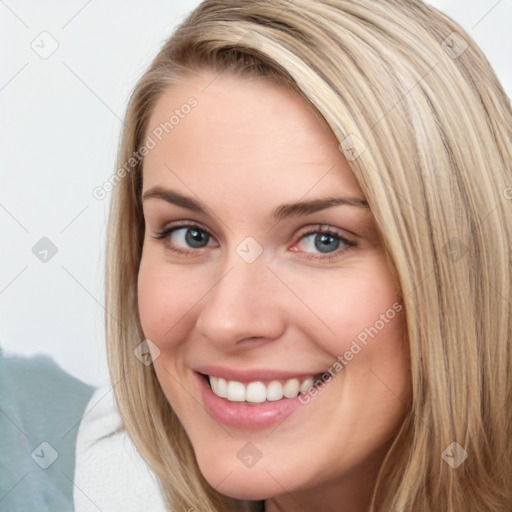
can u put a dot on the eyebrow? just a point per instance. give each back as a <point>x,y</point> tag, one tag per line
<point>279,213</point>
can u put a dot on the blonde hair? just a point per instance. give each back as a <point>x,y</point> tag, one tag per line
<point>426,128</point>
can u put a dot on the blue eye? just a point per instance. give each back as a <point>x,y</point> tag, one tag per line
<point>324,242</point>
<point>192,237</point>
<point>186,238</point>
<point>319,243</point>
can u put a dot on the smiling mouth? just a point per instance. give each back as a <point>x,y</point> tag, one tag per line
<point>259,392</point>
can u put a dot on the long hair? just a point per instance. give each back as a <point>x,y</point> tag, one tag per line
<point>426,128</point>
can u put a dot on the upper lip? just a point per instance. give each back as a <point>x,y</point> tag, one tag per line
<point>252,374</point>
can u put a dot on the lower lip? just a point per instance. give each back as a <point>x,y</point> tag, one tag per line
<point>241,415</point>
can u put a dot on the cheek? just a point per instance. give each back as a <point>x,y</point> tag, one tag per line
<point>166,299</point>
<point>357,303</point>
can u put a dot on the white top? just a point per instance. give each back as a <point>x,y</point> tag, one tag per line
<point>110,475</point>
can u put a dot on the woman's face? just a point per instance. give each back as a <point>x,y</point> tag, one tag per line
<point>266,280</point>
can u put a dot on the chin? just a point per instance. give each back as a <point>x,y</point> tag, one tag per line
<point>250,484</point>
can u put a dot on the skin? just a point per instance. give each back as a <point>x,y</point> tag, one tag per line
<point>248,147</point>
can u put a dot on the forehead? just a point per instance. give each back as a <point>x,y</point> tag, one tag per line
<point>246,133</point>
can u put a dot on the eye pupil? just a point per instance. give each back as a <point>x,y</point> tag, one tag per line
<point>326,243</point>
<point>196,238</point>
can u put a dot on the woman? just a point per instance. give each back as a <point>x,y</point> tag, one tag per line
<point>309,262</point>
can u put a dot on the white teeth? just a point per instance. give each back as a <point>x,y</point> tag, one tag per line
<point>235,391</point>
<point>291,388</point>
<point>214,384</point>
<point>219,386</point>
<point>222,388</point>
<point>306,385</point>
<point>257,392</point>
<point>274,391</point>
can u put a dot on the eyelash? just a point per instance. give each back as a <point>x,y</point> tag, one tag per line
<point>319,229</point>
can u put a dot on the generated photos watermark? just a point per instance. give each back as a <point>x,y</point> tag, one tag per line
<point>357,345</point>
<point>150,143</point>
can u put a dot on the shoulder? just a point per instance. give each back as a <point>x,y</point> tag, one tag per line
<point>41,407</point>
<point>40,393</point>
<point>110,475</point>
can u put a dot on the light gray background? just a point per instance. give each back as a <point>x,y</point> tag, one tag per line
<point>59,131</point>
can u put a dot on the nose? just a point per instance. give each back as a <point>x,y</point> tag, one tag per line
<point>244,304</point>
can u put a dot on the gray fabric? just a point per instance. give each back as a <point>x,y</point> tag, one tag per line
<point>39,403</point>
